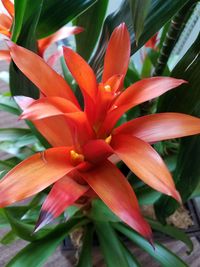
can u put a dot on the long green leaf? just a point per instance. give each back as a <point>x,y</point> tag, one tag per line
<point>8,104</point>
<point>85,42</point>
<point>3,219</point>
<point>173,232</point>
<point>13,133</point>
<point>185,100</point>
<point>139,9</point>
<point>8,238</point>
<point>20,7</point>
<point>160,253</point>
<point>132,261</point>
<point>36,253</point>
<point>25,35</point>
<point>56,13</point>
<point>110,245</point>
<point>85,259</point>
<point>160,12</point>
<point>101,212</point>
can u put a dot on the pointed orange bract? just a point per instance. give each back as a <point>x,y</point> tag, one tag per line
<point>34,67</point>
<point>145,162</point>
<point>117,54</point>
<point>56,130</point>
<point>157,127</point>
<point>53,106</point>
<point>9,6</point>
<point>138,93</point>
<point>63,194</point>
<point>34,174</point>
<point>5,24</point>
<point>115,191</point>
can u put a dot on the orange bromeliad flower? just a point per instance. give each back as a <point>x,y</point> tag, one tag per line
<point>6,22</point>
<point>84,141</point>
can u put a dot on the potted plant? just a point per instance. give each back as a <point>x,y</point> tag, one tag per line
<point>93,133</point>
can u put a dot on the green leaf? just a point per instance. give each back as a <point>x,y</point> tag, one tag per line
<point>160,253</point>
<point>173,232</point>
<point>8,238</point>
<point>110,245</point>
<point>67,75</point>
<point>3,218</point>
<point>132,261</point>
<point>36,253</point>
<point>101,212</point>
<point>139,10</point>
<point>132,75</point>
<point>8,104</point>
<point>86,41</point>
<point>146,68</point>
<point>27,22</point>
<point>185,99</point>
<point>56,13</point>
<point>20,7</point>
<point>85,259</point>
<point>159,14</point>
<point>13,134</point>
<point>5,166</point>
<point>147,195</point>
<point>24,230</point>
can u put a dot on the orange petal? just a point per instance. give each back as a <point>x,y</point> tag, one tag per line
<point>162,126</point>
<point>118,53</point>
<point>115,191</point>
<point>81,72</point>
<point>63,33</point>
<point>84,76</point>
<point>47,107</point>
<point>55,130</point>
<point>145,162</point>
<point>138,93</point>
<point>9,7</point>
<point>56,136</point>
<point>46,79</point>
<point>63,194</point>
<point>5,55</point>
<point>5,23</point>
<point>97,150</point>
<point>34,174</point>
<point>76,121</point>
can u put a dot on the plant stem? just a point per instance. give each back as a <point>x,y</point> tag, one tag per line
<point>175,29</point>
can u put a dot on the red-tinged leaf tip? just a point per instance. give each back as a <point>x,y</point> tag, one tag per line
<point>177,197</point>
<point>45,217</point>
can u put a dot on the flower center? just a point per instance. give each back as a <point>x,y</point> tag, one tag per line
<point>108,139</point>
<point>76,158</point>
<point>107,88</point>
